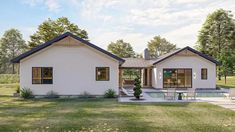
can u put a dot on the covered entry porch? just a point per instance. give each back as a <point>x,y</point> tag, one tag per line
<point>132,68</point>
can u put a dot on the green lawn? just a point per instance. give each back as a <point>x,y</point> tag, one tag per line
<point>230,82</point>
<point>109,115</point>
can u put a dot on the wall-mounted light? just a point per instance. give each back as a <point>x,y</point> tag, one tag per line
<point>160,75</point>
<point>194,75</point>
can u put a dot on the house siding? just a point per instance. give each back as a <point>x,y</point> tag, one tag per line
<point>74,70</point>
<point>193,62</point>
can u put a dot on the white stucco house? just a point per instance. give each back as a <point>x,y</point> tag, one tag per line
<point>70,65</point>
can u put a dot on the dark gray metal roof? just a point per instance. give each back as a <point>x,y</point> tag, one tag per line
<point>136,63</point>
<point>142,63</point>
<point>42,46</point>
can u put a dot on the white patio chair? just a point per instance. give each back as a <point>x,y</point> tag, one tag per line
<point>231,93</point>
<point>191,92</point>
<point>170,94</point>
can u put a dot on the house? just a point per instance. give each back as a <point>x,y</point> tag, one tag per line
<point>70,65</point>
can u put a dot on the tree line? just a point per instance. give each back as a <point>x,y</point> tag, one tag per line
<point>215,38</point>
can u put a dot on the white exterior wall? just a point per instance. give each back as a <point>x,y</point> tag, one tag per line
<point>193,62</point>
<point>74,70</point>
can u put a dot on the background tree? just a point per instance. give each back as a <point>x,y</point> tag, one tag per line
<point>124,50</point>
<point>216,36</point>
<point>159,46</point>
<point>12,45</point>
<point>227,60</point>
<point>50,29</point>
<point>121,49</point>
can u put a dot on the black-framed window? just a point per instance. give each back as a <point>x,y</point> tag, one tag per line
<point>177,78</point>
<point>42,75</point>
<point>204,74</point>
<point>102,73</point>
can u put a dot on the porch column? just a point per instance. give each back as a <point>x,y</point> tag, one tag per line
<point>149,74</point>
<point>142,77</point>
<point>120,78</point>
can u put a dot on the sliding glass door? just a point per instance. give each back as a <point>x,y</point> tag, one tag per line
<point>177,78</point>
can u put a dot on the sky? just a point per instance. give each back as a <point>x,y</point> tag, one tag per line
<point>134,21</point>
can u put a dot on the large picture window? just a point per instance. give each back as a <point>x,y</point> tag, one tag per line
<point>102,73</point>
<point>42,75</point>
<point>177,78</point>
<point>204,74</point>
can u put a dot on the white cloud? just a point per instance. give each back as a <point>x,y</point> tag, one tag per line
<point>185,36</point>
<point>137,21</point>
<point>32,2</point>
<point>52,5</point>
<point>94,9</point>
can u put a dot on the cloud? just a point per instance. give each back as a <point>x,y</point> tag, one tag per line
<point>52,5</point>
<point>95,10</point>
<point>184,36</point>
<point>137,21</point>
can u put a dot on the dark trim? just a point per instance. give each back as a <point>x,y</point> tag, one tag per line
<point>96,69</point>
<point>42,46</point>
<point>132,67</point>
<point>192,50</point>
<point>206,74</point>
<point>42,75</point>
<point>177,78</point>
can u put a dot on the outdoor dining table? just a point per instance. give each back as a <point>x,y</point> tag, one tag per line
<point>180,92</point>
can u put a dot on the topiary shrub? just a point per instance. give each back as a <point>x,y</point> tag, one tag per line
<point>52,94</point>
<point>26,93</point>
<point>137,88</point>
<point>110,93</point>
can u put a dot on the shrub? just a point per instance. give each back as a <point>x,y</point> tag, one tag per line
<point>137,89</point>
<point>26,93</point>
<point>110,93</point>
<point>52,94</point>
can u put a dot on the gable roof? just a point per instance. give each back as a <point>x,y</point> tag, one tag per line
<point>168,55</point>
<point>42,46</point>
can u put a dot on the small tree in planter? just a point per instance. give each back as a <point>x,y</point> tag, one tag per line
<point>137,88</point>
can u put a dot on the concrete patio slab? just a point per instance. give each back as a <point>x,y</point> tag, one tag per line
<point>220,101</point>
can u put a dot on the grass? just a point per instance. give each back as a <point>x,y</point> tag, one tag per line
<point>8,89</point>
<point>108,115</point>
<point>230,82</point>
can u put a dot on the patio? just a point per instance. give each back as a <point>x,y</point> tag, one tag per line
<point>147,98</point>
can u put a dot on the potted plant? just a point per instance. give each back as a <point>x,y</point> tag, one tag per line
<point>137,88</point>
<point>17,93</point>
